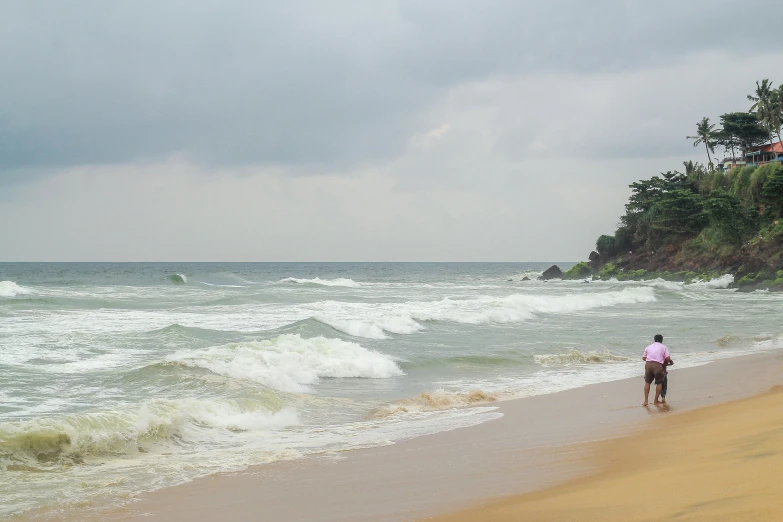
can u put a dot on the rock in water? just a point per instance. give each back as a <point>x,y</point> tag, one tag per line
<point>553,272</point>
<point>526,278</point>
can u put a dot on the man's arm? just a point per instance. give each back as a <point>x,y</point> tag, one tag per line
<point>668,361</point>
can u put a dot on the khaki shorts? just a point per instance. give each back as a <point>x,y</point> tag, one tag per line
<point>653,371</point>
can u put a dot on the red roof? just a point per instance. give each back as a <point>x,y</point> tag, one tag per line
<point>773,147</point>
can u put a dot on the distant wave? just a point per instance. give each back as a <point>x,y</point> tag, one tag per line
<point>70,439</point>
<point>406,318</point>
<point>575,356</point>
<point>437,400</point>
<point>177,279</point>
<point>225,286</point>
<point>290,362</point>
<point>340,281</point>
<point>11,289</point>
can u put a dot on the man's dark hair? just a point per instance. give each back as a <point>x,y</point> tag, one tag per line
<point>659,338</point>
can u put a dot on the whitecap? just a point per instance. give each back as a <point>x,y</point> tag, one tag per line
<point>11,289</point>
<point>290,362</point>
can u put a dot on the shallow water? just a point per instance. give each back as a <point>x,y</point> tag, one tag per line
<point>121,378</point>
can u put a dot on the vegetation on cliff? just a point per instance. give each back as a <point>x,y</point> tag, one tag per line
<point>707,220</point>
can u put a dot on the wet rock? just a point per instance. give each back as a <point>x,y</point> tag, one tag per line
<point>553,272</point>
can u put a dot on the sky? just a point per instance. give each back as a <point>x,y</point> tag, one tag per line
<point>426,130</point>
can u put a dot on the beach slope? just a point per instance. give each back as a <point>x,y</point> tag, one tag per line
<point>722,462</point>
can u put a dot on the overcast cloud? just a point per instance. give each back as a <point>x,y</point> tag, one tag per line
<point>326,130</point>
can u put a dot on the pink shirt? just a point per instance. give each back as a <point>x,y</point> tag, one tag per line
<point>656,352</point>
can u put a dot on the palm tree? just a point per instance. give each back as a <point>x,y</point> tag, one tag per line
<point>706,134</point>
<point>763,104</point>
<point>776,110</point>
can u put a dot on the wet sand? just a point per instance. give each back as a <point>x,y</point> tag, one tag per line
<point>538,443</point>
<point>722,462</point>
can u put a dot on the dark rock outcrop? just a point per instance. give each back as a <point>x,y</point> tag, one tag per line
<point>553,272</point>
<point>595,260</point>
<point>526,278</point>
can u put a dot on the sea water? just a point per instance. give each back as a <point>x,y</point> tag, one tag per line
<point>122,378</point>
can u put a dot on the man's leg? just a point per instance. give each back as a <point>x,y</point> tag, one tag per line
<point>664,388</point>
<point>658,388</point>
<point>646,393</point>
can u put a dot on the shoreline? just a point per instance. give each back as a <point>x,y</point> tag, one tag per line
<point>533,446</point>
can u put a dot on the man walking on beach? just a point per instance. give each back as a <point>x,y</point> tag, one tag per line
<point>655,359</point>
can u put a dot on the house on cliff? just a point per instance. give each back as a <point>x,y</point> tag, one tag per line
<point>765,154</point>
<point>731,163</point>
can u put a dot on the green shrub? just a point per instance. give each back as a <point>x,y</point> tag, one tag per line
<point>580,270</point>
<point>608,271</point>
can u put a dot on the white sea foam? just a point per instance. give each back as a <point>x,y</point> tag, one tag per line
<point>406,318</point>
<point>290,362</point>
<point>340,281</point>
<point>221,286</point>
<point>11,289</point>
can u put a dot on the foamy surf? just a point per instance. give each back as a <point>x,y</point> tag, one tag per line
<point>11,289</point>
<point>291,363</point>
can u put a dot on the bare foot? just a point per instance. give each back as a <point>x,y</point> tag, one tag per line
<point>644,403</point>
<point>663,401</point>
<point>657,402</point>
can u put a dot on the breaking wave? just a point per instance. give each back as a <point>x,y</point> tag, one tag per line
<point>719,282</point>
<point>340,281</point>
<point>72,439</point>
<point>177,279</point>
<point>437,400</point>
<point>373,329</point>
<point>290,363</point>
<point>11,289</point>
<point>406,318</point>
<point>575,356</point>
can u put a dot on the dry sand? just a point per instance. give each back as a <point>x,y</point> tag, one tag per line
<point>722,462</point>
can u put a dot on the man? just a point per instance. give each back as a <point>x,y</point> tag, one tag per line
<point>656,357</point>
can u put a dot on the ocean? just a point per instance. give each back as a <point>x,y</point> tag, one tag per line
<point>117,379</point>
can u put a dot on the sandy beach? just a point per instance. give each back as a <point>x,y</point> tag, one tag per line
<point>721,462</point>
<point>539,442</point>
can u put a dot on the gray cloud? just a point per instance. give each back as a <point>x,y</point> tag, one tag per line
<point>304,83</point>
<point>438,130</point>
